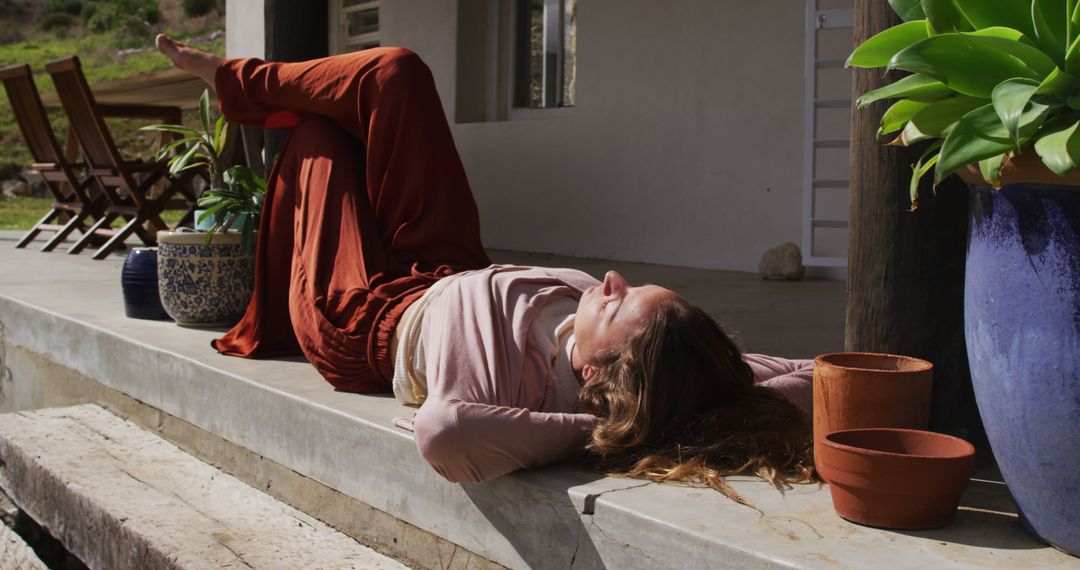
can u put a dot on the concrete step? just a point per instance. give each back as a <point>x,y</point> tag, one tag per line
<point>119,497</point>
<point>15,554</point>
<point>277,425</point>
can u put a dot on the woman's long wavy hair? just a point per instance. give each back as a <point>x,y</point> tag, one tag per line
<point>679,404</point>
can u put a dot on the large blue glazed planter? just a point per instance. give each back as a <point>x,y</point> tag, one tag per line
<point>139,284</point>
<point>204,285</point>
<point>1022,324</point>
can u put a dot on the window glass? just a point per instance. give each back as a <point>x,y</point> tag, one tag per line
<point>569,52</point>
<point>362,22</point>
<point>545,62</point>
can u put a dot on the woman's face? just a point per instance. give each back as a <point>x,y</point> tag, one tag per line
<point>609,314</point>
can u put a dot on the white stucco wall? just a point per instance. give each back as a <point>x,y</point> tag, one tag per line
<point>684,148</point>
<point>245,34</point>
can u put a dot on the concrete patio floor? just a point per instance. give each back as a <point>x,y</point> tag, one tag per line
<point>793,319</point>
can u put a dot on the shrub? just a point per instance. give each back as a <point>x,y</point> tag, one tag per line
<point>103,18</point>
<point>118,15</point>
<point>72,7</point>
<point>88,11</point>
<point>194,8</point>
<point>57,22</point>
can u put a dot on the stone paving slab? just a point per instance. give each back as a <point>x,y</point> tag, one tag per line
<point>120,497</point>
<point>15,554</point>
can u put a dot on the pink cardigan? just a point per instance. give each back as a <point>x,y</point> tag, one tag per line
<point>492,405</point>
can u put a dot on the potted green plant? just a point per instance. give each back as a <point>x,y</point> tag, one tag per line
<point>206,277</point>
<point>993,94</point>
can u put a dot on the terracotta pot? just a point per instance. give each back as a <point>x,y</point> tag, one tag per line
<point>897,478</point>
<point>863,389</point>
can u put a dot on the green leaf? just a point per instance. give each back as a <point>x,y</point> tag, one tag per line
<point>879,49</point>
<point>1072,57</point>
<point>980,135</point>
<point>1060,148</point>
<point>1059,83</point>
<point>166,149</point>
<point>172,129</point>
<point>898,114</point>
<point>194,165</point>
<point>1051,29</point>
<point>204,110</point>
<point>178,163</point>
<point>247,234</point>
<point>908,10</point>
<point>969,64</point>
<point>936,119</point>
<point>990,169</point>
<point>922,166</point>
<point>944,16</point>
<point>917,87</point>
<point>207,200</point>
<point>1010,98</point>
<point>219,134</point>
<point>1015,14</point>
<point>1073,9</point>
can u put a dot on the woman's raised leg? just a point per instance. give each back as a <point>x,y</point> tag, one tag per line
<point>378,201</point>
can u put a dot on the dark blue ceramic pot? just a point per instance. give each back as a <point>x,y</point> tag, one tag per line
<point>139,282</point>
<point>1022,324</point>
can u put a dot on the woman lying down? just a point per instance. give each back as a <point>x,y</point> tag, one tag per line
<point>370,264</point>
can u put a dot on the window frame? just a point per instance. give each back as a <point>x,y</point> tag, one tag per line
<point>340,41</point>
<point>518,85</point>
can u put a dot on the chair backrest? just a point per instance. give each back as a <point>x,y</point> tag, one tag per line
<point>83,115</point>
<point>30,114</point>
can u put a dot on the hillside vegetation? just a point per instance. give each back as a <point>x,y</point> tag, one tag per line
<point>113,39</point>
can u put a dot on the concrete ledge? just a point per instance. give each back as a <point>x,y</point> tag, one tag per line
<point>15,554</point>
<point>69,311</point>
<point>120,497</point>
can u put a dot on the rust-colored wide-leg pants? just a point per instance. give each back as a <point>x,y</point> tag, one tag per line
<point>366,207</point>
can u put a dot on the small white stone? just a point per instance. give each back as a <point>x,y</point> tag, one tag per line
<point>782,262</point>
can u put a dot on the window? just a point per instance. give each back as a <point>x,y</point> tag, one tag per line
<point>545,45</point>
<point>354,25</point>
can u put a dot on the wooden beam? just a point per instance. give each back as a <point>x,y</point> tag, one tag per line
<point>906,269</point>
<point>295,31</point>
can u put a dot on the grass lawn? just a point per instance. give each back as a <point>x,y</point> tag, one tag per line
<point>20,213</point>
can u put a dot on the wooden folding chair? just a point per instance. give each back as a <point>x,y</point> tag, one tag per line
<point>73,204</point>
<point>127,185</point>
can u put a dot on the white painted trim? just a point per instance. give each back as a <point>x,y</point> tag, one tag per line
<point>340,41</point>
<point>815,20</point>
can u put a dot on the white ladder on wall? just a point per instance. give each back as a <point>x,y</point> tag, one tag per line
<point>816,21</point>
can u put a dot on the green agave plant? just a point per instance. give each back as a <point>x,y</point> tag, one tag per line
<point>233,191</point>
<point>989,79</point>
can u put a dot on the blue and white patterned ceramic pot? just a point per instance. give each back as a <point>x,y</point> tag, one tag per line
<point>139,283</point>
<point>1022,326</point>
<point>204,285</point>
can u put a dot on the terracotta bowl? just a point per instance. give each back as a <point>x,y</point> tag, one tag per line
<point>896,478</point>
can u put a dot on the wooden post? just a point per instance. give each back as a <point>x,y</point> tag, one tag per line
<point>906,269</point>
<point>295,31</point>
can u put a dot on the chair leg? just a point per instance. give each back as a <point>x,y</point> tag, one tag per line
<point>84,241</point>
<point>148,238</point>
<point>118,239</point>
<point>62,233</point>
<point>36,229</point>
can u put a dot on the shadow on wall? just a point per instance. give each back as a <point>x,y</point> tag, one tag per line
<point>533,511</point>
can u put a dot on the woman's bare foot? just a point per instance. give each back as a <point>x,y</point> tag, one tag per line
<point>189,59</point>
